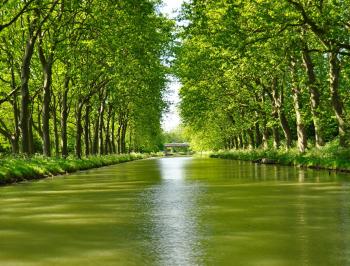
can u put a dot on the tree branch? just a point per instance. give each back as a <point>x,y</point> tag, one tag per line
<point>13,20</point>
<point>6,98</point>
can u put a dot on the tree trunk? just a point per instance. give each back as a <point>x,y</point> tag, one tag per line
<point>25,101</point>
<point>64,117</point>
<point>231,142</point>
<point>7,134</point>
<point>265,131</point>
<point>30,135</point>
<point>286,129</point>
<point>100,128</point>
<point>55,129</point>
<point>15,137</point>
<point>265,138</point>
<point>276,132</point>
<point>245,140</point>
<point>258,137</point>
<point>251,142</point>
<point>119,139</point>
<point>96,137</point>
<point>123,135</point>
<point>302,138</point>
<point>278,105</point>
<point>79,131</point>
<point>240,141</point>
<point>47,68</point>
<point>114,150</point>
<point>236,142</point>
<point>314,97</point>
<point>14,102</point>
<point>337,104</point>
<point>130,139</point>
<point>108,148</point>
<point>87,130</point>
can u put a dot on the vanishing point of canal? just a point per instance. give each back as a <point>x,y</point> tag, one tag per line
<point>178,211</point>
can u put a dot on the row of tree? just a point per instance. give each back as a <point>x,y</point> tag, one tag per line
<point>82,76</point>
<point>265,73</point>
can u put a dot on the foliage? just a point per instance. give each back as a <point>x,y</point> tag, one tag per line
<point>83,77</point>
<point>15,169</point>
<point>253,71</point>
<point>331,157</point>
<point>176,135</point>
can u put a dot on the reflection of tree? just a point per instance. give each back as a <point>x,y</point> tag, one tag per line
<point>344,218</point>
<point>301,222</point>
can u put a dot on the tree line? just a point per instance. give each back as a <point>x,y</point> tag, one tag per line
<point>82,77</point>
<point>265,73</point>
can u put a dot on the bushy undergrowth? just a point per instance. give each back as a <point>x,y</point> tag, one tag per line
<point>14,169</point>
<point>330,156</point>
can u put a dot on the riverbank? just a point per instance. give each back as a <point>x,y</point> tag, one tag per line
<point>330,157</point>
<point>16,169</point>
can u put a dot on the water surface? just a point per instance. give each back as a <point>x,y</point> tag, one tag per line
<point>178,211</point>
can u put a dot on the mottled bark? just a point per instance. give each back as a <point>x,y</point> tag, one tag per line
<point>55,129</point>
<point>17,132</point>
<point>337,104</point>
<point>245,140</point>
<point>240,141</point>
<point>107,146</point>
<point>258,136</point>
<point>251,140</point>
<point>119,138</point>
<point>265,138</point>
<point>276,132</point>
<point>278,106</point>
<point>100,127</point>
<point>25,100</point>
<point>79,129</point>
<point>47,71</point>
<point>302,138</point>
<point>265,131</point>
<point>64,117</point>
<point>30,135</point>
<point>314,97</point>
<point>96,135</point>
<point>87,130</point>
<point>25,125</point>
<point>236,142</point>
<point>123,136</point>
<point>301,132</point>
<point>114,150</point>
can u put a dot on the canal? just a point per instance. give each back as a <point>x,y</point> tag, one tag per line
<point>178,211</point>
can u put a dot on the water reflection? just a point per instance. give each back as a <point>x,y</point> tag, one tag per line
<point>179,211</point>
<point>173,214</point>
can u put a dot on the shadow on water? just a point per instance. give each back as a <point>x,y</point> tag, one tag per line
<point>74,220</point>
<point>179,211</point>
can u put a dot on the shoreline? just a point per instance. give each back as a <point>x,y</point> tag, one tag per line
<point>314,159</point>
<point>15,170</point>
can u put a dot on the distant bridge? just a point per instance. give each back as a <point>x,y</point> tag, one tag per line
<point>169,147</point>
<point>174,145</point>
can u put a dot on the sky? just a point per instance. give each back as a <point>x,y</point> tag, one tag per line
<point>170,6</point>
<point>171,119</point>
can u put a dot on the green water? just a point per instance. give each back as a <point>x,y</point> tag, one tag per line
<point>178,211</point>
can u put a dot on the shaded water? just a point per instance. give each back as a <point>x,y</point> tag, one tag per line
<point>178,211</point>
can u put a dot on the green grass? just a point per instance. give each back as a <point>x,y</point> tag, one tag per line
<point>15,169</point>
<point>330,157</point>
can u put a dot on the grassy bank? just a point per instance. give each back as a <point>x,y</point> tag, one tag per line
<point>15,169</point>
<point>330,157</point>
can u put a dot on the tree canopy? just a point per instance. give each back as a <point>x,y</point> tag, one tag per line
<point>82,77</point>
<point>264,73</point>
